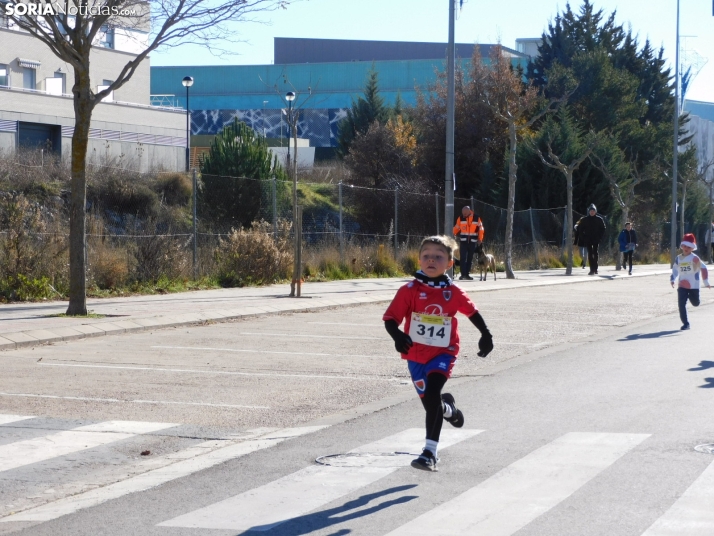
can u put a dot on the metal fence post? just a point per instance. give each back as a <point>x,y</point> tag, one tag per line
<point>436,199</point>
<point>195,227</point>
<point>298,282</point>
<point>396,221</point>
<point>273,193</point>
<point>533,236</point>
<point>342,237</point>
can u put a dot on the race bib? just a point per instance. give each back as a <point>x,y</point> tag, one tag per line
<point>431,330</point>
<point>685,267</point>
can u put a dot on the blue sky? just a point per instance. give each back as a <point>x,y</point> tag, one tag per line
<point>482,21</point>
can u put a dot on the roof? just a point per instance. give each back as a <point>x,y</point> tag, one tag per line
<point>290,50</point>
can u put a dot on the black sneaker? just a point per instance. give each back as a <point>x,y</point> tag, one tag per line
<point>462,278</point>
<point>469,278</point>
<point>685,327</point>
<point>457,418</point>
<point>426,461</point>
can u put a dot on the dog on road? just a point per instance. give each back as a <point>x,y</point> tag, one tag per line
<point>485,262</point>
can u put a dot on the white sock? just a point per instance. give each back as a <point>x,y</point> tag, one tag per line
<point>447,410</point>
<point>431,446</point>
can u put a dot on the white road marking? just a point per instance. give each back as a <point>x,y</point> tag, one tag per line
<point>250,351</point>
<point>693,513</point>
<point>297,494</point>
<point>185,466</point>
<point>271,334</point>
<point>21,453</point>
<point>526,489</point>
<point>218,372</point>
<point>119,401</point>
<point>7,419</point>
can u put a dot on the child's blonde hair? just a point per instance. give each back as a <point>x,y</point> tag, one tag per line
<point>446,242</point>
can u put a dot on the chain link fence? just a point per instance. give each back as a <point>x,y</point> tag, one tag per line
<point>146,226</point>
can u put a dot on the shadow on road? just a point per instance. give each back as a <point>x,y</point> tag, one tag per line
<point>709,384</point>
<point>315,521</point>
<point>655,335</point>
<point>703,365</point>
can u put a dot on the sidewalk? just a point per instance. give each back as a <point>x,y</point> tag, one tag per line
<point>29,324</point>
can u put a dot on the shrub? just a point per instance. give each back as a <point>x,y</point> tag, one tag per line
<point>409,262</point>
<point>253,257</point>
<point>23,288</point>
<point>174,188</point>
<point>384,263</point>
<point>110,268</point>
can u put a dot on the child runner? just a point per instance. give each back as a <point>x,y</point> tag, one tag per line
<point>689,268</point>
<point>430,340</point>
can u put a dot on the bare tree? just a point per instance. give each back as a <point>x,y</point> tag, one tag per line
<point>577,147</point>
<point>514,103</point>
<point>71,29</point>
<point>622,177</point>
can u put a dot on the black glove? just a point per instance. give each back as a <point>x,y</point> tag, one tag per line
<point>403,342</point>
<point>485,345</point>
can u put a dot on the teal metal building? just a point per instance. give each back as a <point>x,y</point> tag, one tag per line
<point>255,94</point>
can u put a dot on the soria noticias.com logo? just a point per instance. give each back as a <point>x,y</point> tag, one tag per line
<point>21,9</point>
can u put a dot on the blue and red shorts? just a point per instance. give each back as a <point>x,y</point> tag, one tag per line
<point>441,364</point>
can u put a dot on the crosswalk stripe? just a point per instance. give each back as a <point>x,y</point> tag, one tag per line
<point>516,495</point>
<point>7,419</point>
<point>39,449</point>
<point>265,507</point>
<point>191,460</point>
<point>693,513</point>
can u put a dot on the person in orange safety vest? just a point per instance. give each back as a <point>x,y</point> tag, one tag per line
<point>469,230</point>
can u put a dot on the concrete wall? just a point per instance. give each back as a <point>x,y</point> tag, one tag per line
<point>105,64</point>
<point>109,120</point>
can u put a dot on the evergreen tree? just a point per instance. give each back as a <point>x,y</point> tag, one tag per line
<point>364,111</point>
<point>233,174</point>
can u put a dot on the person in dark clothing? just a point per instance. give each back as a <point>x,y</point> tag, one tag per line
<point>577,242</point>
<point>590,231</point>
<point>628,242</point>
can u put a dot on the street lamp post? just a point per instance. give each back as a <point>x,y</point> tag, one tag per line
<point>673,230</point>
<point>187,83</point>
<point>292,166</point>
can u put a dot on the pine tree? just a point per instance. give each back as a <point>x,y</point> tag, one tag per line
<point>364,111</point>
<point>234,174</point>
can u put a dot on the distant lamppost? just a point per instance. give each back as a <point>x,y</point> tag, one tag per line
<point>264,103</point>
<point>187,83</point>
<point>292,167</point>
<point>290,97</point>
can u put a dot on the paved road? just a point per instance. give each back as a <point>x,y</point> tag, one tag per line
<point>582,421</point>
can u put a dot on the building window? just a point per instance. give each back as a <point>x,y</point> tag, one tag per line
<point>61,75</point>
<point>4,75</point>
<point>28,78</point>
<point>107,37</point>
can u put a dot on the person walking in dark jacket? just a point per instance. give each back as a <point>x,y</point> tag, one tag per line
<point>628,242</point>
<point>590,231</point>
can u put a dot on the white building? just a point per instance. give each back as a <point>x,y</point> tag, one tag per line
<point>36,105</point>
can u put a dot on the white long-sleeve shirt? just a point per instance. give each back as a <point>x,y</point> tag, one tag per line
<point>690,270</point>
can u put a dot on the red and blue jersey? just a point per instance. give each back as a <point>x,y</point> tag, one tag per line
<point>417,297</point>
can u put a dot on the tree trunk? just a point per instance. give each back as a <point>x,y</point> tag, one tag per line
<point>569,234</point>
<point>512,175</point>
<point>83,106</point>
<point>625,215</point>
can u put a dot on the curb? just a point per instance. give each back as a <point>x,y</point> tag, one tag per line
<point>24,339</point>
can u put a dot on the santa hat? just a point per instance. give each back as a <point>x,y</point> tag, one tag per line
<point>689,240</point>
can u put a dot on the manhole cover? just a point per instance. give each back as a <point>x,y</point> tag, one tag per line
<point>708,448</point>
<point>368,459</point>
